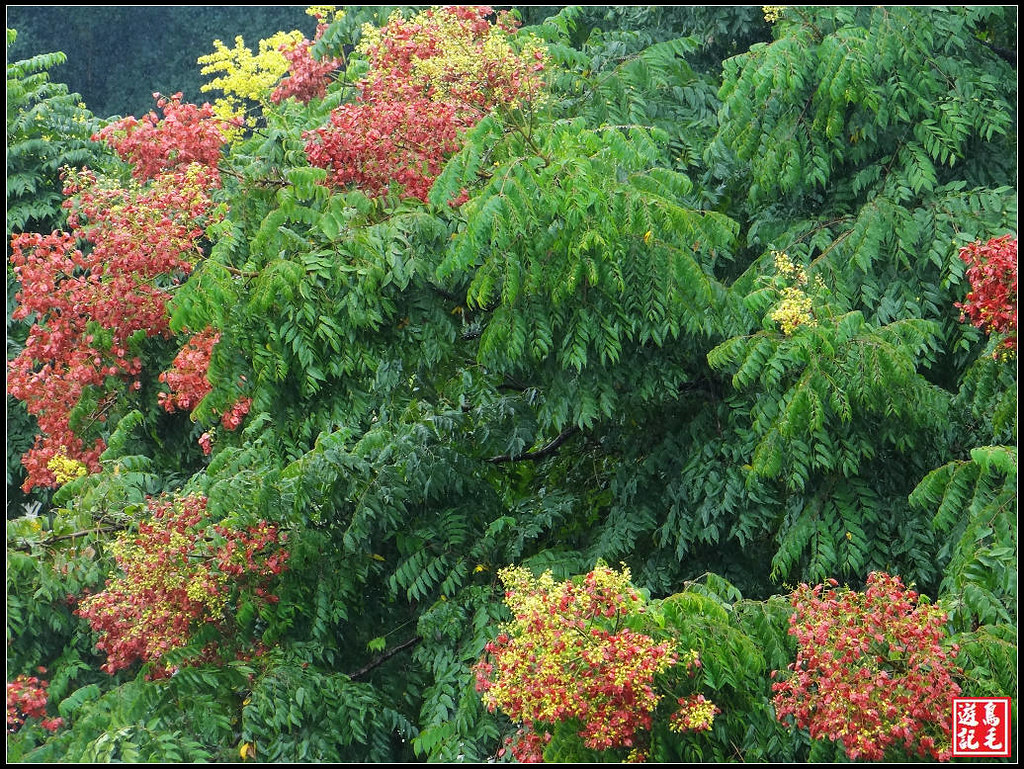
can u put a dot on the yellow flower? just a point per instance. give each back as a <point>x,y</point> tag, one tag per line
<point>794,311</point>
<point>785,267</point>
<point>324,12</point>
<point>66,469</point>
<point>245,77</point>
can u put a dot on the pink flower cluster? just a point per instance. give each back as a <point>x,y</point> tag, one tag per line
<point>307,78</point>
<point>991,303</point>
<point>90,291</point>
<point>26,698</point>
<point>154,145</point>
<point>871,670</point>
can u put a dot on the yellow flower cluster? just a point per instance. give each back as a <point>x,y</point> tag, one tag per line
<point>244,76</point>
<point>206,588</point>
<point>66,469</point>
<point>176,572</point>
<point>772,12</point>
<point>525,595</point>
<point>795,309</point>
<point>785,267</point>
<point>324,12</point>
<point>561,659</point>
<point>695,714</point>
<point>689,659</point>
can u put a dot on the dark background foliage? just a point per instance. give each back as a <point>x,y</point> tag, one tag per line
<point>118,56</point>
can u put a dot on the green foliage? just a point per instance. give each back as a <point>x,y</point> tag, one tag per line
<point>976,504</point>
<point>579,362</point>
<point>740,642</point>
<point>48,128</point>
<point>295,712</point>
<point>838,87</point>
<point>988,657</point>
<point>191,717</point>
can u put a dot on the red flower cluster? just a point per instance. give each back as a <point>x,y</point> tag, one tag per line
<point>566,657</point>
<point>153,145</point>
<point>307,78</point>
<point>527,746</point>
<point>991,304</point>
<point>373,145</point>
<point>26,698</point>
<point>92,290</point>
<point>177,573</point>
<point>233,416</point>
<point>188,384</point>
<point>870,672</point>
<point>430,78</point>
<point>186,378</point>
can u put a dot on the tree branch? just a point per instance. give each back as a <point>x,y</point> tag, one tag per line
<point>26,544</point>
<point>1006,54</point>
<point>446,294</point>
<point>385,657</point>
<point>547,450</point>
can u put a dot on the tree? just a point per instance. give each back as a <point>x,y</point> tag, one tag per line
<point>601,306</point>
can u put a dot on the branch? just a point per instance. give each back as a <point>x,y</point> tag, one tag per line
<point>279,182</point>
<point>514,386</point>
<point>551,448</point>
<point>446,294</point>
<point>27,545</point>
<point>385,657</point>
<point>236,271</point>
<point>1006,54</point>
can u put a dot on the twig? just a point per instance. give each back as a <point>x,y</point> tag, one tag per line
<point>547,450</point>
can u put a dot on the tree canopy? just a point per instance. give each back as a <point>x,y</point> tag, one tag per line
<point>468,385</point>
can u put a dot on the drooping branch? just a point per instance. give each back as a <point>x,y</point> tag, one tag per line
<point>540,453</point>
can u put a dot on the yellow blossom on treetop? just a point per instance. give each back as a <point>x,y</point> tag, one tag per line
<point>245,77</point>
<point>324,12</point>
